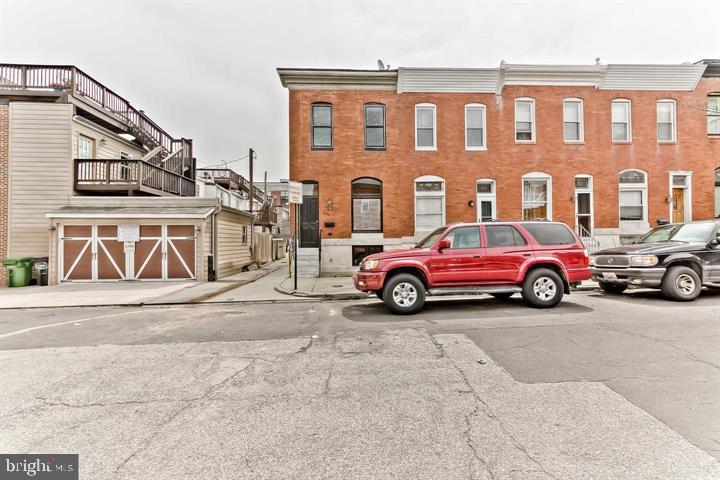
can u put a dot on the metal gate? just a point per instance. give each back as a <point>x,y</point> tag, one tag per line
<point>93,253</point>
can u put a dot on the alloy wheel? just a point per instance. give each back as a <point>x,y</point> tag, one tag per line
<point>544,288</point>
<point>404,294</point>
<point>685,284</point>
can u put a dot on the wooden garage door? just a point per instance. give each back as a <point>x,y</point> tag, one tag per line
<point>180,252</point>
<point>165,252</point>
<point>109,254</point>
<point>77,252</point>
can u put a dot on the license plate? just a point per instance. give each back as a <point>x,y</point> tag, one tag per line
<point>609,276</point>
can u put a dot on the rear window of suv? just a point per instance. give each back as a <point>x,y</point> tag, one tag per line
<point>550,233</point>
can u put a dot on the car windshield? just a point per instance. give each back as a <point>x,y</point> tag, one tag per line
<point>430,238</point>
<point>687,232</point>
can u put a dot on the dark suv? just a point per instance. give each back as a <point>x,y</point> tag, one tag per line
<point>540,260</point>
<point>679,259</point>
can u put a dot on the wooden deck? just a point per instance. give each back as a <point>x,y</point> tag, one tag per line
<point>128,175</point>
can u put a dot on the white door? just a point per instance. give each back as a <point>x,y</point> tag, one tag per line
<point>584,222</point>
<point>486,200</point>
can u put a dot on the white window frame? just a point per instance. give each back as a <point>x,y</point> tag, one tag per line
<point>643,187</point>
<point>581,120</point>
<point>588,190</point>
<point>688,193</point>
<point>91,141</point>
<point>532,119</point>
<point>481,107</point>
<point>673,130</point>
<point>715,113</point>
<point>537,176</point>
<point>441,194</point>
<point>486,197</point>
<point>431,106</point>
<point>627,102</point>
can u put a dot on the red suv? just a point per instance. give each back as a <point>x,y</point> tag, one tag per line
<point>540,260</point>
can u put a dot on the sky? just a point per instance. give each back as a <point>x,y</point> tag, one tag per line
<point>206,69</point>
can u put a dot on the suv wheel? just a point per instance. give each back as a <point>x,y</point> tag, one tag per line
<point>542,288</point>
<point>681,284</point>
<point>404,293</point>
<point>612,287</point>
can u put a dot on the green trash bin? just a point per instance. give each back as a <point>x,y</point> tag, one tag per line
<point>19,271</point>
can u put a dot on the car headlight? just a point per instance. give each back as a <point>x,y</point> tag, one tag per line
<point>370,264</point>
<point>644,260</point>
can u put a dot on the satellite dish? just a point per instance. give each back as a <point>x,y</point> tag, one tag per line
<point>381,65</point>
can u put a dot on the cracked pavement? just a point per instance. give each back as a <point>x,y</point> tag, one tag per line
<point>601,387</point>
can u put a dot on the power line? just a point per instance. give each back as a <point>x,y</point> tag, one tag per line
<point>225,164</point>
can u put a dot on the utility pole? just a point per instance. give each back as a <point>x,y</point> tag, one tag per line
<point>251,193</point>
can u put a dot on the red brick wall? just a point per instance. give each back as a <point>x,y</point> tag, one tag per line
<point>505,161</point>
<point>4,179</point>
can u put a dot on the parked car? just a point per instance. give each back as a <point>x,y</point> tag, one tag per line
<point>539,260</point>
<point>677,258</point>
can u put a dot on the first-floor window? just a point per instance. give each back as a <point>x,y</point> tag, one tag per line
<point>717,193</point>
<point>366,205</point>
<point>536,197</point>
<point>244,234</point>
<point>633,196</point>
<point>429,203</point>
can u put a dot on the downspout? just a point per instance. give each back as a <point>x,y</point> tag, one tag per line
<point>213,238</point>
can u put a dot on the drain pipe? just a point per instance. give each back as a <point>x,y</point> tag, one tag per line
<point>213,239</point>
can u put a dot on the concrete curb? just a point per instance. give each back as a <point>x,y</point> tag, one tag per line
<point>324,296</point>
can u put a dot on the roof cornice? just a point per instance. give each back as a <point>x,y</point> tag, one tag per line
<point>337,79</point>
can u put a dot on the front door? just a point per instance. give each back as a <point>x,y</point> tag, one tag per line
<point>461,263</point>
<point>678,205</point>
<point>583,214</point>
<point>310,217</point>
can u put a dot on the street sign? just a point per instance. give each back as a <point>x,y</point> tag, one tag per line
<point>295,192</point>
<point>128,233</point>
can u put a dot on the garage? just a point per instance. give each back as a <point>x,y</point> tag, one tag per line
<point>96,253</point>
<point>105,239</point>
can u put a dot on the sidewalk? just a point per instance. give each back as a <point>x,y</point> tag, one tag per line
<point>342,288</point>
<point>335,288</point>
<point>131,293</point>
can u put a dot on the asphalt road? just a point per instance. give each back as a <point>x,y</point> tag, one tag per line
<point>659,355</point>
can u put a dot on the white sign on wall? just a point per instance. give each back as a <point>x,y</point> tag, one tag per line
<point>295,192</point>
<point>129,247</point>
<point>128,233</point>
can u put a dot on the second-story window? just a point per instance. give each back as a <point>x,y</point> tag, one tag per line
<point>322,126</point>
<point>621,127</point>
<point>86,147</point>
<point>375,126</point>
<point>713,114</point>
<point>666,121</point>
<point>573,120</point>
<point>425,127</point>
<point>475,126</point>
<point>524,120</point>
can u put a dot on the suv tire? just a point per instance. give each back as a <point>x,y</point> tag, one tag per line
<point>612,287</point>
<point>502,295</point>
<point>542,288</point>
<point>681,284</point>
<point>404,294</point>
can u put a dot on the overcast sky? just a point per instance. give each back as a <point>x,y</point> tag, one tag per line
<point>206,70</point>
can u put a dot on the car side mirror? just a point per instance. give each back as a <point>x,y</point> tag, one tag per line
<point>714,243</point>
<point>443,245</point>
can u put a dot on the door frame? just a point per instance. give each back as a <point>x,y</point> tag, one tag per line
<point>589,191</point>
<point>485,197</point>
<point>687,197</point>
<point>304,205</point>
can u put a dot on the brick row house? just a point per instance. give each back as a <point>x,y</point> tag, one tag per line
<point>386,156</point>
<point>106,194</point>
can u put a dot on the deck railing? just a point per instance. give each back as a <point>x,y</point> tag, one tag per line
<point>73,80</point>
<point>129,174</point>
